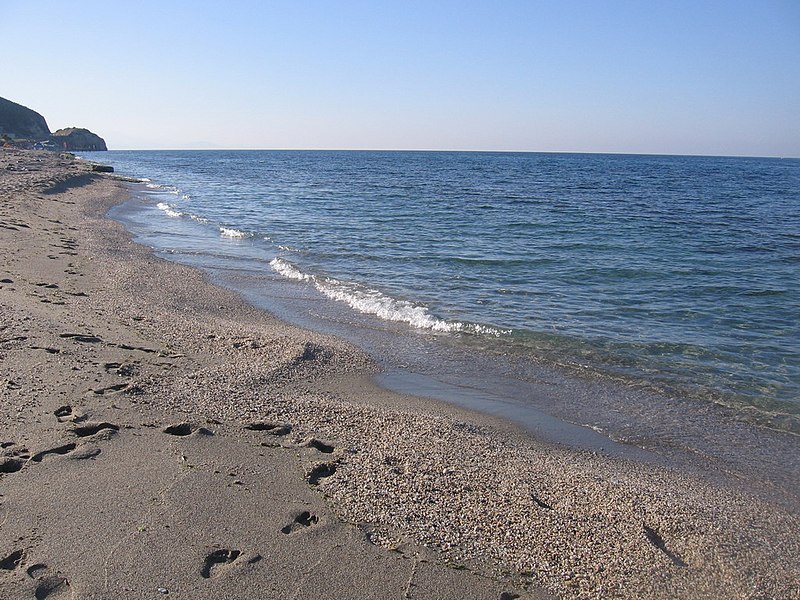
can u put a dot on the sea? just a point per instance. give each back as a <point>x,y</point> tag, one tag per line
<point>574,293</point>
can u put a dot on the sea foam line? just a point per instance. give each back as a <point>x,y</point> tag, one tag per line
<point>376,303</point>
<point>162,188</point>
<point>288,270</point>
<point>171,211</point>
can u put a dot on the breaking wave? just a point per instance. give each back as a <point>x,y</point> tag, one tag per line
<point>231,233</point>
<point>168,189</point>
<point>169,210</point>
<point>374,302</point>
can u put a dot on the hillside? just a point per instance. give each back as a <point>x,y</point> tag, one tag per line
<point>28,129</point>
<point>20,122</point>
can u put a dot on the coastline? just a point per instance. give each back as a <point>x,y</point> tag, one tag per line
<point>418,498</point>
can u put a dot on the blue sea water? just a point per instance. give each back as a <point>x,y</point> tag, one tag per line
<point>671,273</point>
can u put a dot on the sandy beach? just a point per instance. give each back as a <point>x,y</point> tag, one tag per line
<point>161,437</point>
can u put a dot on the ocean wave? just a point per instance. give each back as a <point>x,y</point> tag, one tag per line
<point>172,211</point>
<point>231,233</point>
<point>170,189</point>
<point>169,210</point>
<point>373,302</point>
<point>288,270</point>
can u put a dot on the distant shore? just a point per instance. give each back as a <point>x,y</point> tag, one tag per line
<point>162,436</point>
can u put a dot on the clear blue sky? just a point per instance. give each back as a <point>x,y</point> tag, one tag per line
<point>675,76</point>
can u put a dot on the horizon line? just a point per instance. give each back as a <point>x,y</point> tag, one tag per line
<point>444,150</point>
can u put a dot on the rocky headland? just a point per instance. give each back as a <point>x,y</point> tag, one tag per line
<point>76,138</point>
<point>23,127</point>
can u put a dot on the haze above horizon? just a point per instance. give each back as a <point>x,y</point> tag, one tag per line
<point>720,78</point>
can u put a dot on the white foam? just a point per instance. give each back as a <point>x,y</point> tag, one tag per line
<point>169,210</point>
<point>376,303</point>
<point>373,302</point>
<point>485,330</point>
<point>170,189</point>
<point>288,270</point>
<point>232,233</point>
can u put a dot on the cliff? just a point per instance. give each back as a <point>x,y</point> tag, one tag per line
<point>28,129</point>
<point>74,138</point>
<point>20,122</point>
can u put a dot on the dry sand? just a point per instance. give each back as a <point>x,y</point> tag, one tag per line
<point>160,437</point>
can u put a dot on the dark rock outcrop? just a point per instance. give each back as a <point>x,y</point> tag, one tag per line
<point>25,128</point>
<point>74,138</point>
<point>20,122</point>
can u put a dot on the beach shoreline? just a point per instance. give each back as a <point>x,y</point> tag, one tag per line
<point>418,498</point>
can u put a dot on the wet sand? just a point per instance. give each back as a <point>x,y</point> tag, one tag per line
<point>162,437</point>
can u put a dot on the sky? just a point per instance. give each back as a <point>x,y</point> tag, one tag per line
<point>656,77</point>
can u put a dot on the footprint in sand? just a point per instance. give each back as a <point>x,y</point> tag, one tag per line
<point>84,452</point>
<point>215,563</point>
<point>271,428</point>
<point>320,472</point>
<point>67,414</point>
<point>184,429</point>
<point>121,369</point>
<point>65,449</point>
<point>12,561</point>
<point>71,450</point>
<point>92,428</point>
<point>80,337</point>
<point>117,387</point>
<point>63,413</point>
<point>53,586</point>
<point>319,446</point>
<point>10,465</point>
<point>12,458</point>
<point>301,521</point>
<point>35,570</point>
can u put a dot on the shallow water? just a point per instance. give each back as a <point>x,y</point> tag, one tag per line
<point>678,274</point>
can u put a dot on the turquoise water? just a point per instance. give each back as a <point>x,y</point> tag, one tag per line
<point>678,274</point>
